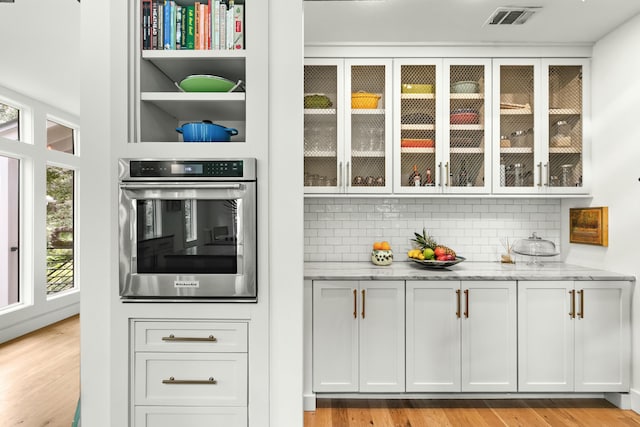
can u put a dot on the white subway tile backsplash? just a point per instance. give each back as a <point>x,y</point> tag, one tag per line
<point>345,229</point>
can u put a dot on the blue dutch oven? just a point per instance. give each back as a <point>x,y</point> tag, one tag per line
<point>206,131</point>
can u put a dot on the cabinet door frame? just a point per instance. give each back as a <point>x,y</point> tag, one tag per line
<point>483,325</point>
<point>586,119</point>
<point>446,149</point>
<point>388,114</point>
<point>537,114</point>
<point>340,134</point>
<point>325,336</point>
<point>439,95</point>
<point>545,336</point>
<point>382,336</point>
<point>596,347</point>
<point>433,335</point>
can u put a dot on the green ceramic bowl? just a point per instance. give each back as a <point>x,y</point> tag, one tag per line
<point>206,83</point>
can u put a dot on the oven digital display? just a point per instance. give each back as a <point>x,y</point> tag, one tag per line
<point>186,169</point>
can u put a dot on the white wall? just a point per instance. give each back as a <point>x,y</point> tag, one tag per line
<point>41,51</point>
<point>616,166</point>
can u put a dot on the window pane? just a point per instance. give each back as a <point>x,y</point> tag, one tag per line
<point>9,235</point>
<point>9,122</point>
<point>59,137</point>
<point>60,206</point>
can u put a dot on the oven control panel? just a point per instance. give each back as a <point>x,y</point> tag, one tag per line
<point>227,169</point>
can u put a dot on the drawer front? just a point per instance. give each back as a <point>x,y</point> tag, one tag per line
<point>183,379</point>
<point>176,336</point>
<point>167,416</point>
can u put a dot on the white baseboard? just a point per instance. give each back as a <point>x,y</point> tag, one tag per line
<point>309,402</point>
<point>621,400</point>
<point>634,400</point>
<point>34,323</point>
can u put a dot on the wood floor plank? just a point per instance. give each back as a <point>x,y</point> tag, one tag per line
<point>40,376</point>
<point>469,412</point>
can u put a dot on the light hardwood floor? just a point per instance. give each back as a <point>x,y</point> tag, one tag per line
<point>40,376</point>
<point>468,413</point>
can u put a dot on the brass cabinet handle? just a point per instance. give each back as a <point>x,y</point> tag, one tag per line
<point>548,183</point>
<point>172,380</point>
<point>347,183</point>
<point>458,306</point>
<point>363,292</point>
<point>339,175</point>
<point>172,337</point>
<point>572,311</point>
<point>440,174</point>
<point>581,313</point>
<point>355,304</point>
<point>466,303</point>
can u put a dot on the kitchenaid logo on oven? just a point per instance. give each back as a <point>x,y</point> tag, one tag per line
<point>186,284</point>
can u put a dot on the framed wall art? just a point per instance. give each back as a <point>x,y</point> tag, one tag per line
<point>589,226</point>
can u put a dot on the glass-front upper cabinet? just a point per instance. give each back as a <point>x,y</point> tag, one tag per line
<point>347,126</point>
<point>538,129</point>
<point>418,140</point>
<point>563,168</point>
<point>467,140</point>
<point>442,119</point>
<point>516,87</point>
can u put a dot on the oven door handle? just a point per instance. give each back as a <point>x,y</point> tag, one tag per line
<point>180,185</point>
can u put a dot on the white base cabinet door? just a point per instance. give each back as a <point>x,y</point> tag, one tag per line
<point>574,336</point>
<point>358,336</point>
<point>461,336</point>
<point>545,338</point>
<point>489,336</point>
<point>433,336</point>
<point>168,416</point>
<point>602,336</point>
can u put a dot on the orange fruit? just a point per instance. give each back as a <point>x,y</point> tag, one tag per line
<point>377,246</point>
<point>385,246</point>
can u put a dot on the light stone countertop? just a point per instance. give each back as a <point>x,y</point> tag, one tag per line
<point>406,270</point>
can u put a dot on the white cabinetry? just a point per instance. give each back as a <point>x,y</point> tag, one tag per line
<point>358,336</point>
<point>540,110</point>
<point>461,336</point>
<point>347,147</point>
<point>574,336</point>
<point>442,125</point>
<point>194,372</point>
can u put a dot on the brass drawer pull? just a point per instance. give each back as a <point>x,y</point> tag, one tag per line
<point>458,306</point>
<point>581,313</point>
<point>466,303</point>
<point>172,337</point>
<point>172,380</point>
<point>572,311</point>
<point>363,296</point>
<point>355,304</point>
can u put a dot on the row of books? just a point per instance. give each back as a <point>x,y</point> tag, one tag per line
<point>207,25</point>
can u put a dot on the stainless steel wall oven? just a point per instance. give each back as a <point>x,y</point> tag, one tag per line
<point>188,230</point>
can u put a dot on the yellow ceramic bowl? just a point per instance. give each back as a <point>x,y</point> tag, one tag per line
<point>364,100</point>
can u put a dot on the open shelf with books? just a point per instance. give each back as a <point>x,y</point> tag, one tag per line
<point>185,39</point>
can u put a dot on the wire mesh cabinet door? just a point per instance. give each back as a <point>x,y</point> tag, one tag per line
<point>367,127</point>
<point>467,140</point>
<point>565,139</point>
<point>418,146</point>
<point>516,126</point>
<point>323,125</point>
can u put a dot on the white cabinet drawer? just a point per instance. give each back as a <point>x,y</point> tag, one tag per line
<point>183,379</point>
<point>176,336</point>
<point>171,416</point>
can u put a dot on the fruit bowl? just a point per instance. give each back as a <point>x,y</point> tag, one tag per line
<point>431,263</point>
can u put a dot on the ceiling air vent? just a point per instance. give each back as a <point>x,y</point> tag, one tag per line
<point>511,15</point>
